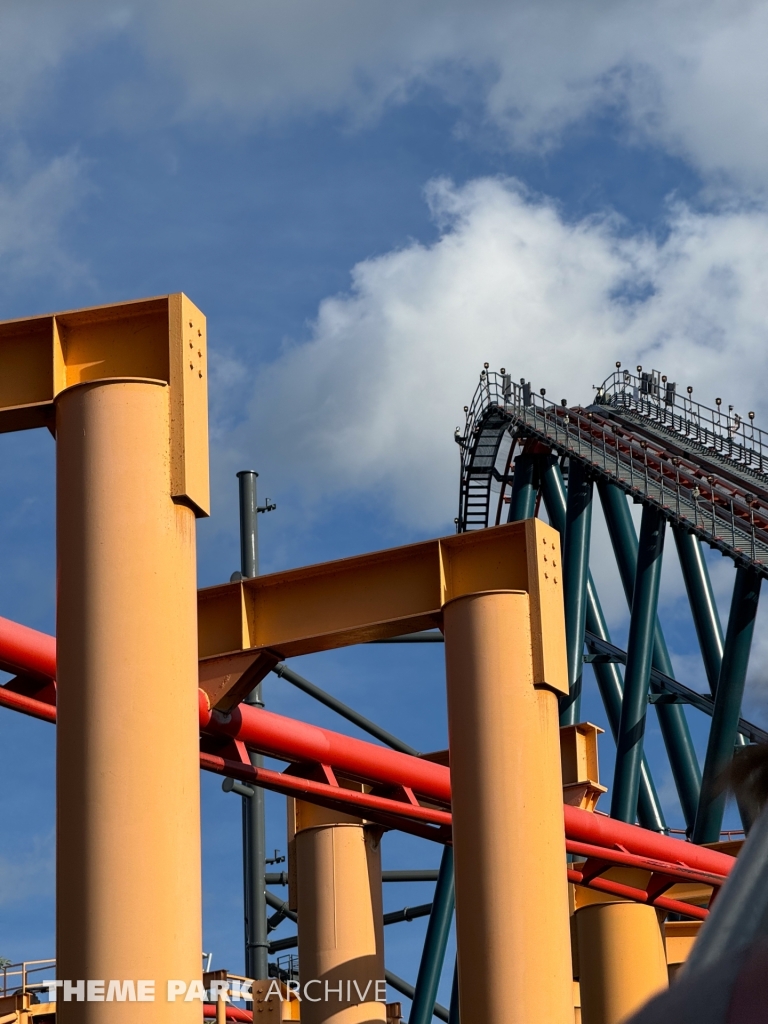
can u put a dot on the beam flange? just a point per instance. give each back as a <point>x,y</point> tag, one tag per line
<point>160,339</point>
<point>385,594</point>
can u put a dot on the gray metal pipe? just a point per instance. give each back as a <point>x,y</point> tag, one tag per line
<point>342,709</point>
<point>402,986</point>
<point>254,825</point>
<point>417,875</point>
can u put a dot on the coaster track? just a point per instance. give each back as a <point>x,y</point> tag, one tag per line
<point>702,470</point>
<point>705,474</point>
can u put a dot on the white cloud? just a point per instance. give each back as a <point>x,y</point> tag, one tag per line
<point>36,40</point>
<point>373,397</point>
<point>34,201</point>
<point>687,74</point>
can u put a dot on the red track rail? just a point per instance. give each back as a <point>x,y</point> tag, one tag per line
<point>233,1013</point>
<point>395,778</point>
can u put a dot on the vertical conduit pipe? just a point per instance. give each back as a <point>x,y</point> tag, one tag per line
<point>578,529</point>
<point>730,690</point>
<point>522,502</point>
<point>672,721</point>
<point>608,676</point>
<point>254,825</point>
<point>629,749</point>
<point>435,942</point>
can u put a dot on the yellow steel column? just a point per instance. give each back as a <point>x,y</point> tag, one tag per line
<point>128,903</point>
<point>512,912</point>
<point>621,960</point>
<point>341,940</point>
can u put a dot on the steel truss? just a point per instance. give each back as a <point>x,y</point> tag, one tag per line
<point>702,471</point>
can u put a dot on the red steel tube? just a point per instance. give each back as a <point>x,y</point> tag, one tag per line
<point>638,895</point>
<point>290,740</point>
<point>601,830</point>
<point>27,650</point>
<point>233,1013</point>
<point>27,705</point>
<point>294,785</point>
<point>680,872</point>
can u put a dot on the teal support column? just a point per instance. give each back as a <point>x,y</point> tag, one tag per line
<point>608,676</point>
<point>453,1010</point>
<point>672,721</point>
<point>702,601</point>
<point>575,555</point>
<point>629,749</point>
<point>706,619</point>
<point>730,690</point>
<point>525,487</point>
<point>435,942</point>
<point>611,686</point>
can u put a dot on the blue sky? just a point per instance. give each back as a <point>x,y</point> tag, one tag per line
<point>368,200</point>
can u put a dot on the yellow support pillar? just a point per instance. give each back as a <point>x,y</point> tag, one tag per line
<point>128,897</point>
<point>622,962</point>
<point>512,910</point>
<point>339,902</point>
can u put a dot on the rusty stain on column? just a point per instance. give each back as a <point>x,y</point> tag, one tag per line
<point>339,901</point>
<point>512,912</point>
<point>128,820</point>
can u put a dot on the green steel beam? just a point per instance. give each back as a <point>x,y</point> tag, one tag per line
<point>575,555</point>
<point>608,676</point>
<point>637,678</point>
<point>525,487</point>
<point>702,600</point>
<point>435,942</point>
<point>453,1011</point>
<point>672,721</point>
<point>730,690</point>
<point>706,619</point>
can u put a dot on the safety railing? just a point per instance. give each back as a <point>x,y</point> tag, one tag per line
<point>729,518</point>
<point>27,976</point>
<point>719,430</point>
